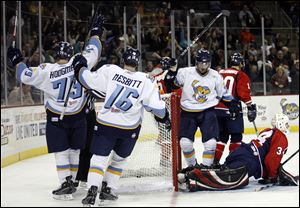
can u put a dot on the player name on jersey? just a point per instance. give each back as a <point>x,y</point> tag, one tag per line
<point>127,81</point>
<point>61,72</point>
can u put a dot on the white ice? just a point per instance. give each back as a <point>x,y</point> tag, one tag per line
<point>29,183</point>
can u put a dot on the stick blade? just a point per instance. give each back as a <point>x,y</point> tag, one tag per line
<point>226,13</point>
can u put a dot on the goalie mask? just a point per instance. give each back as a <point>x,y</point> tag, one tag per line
<point>281,122</point>
<point>203,61</point>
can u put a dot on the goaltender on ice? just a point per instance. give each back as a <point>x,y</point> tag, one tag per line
<point>260,158</point>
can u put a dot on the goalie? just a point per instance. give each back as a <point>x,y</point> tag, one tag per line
<point>260,158</point>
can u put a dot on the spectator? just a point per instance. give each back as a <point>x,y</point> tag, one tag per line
<point>246,17</point>
<point>294,86</point>
<point>149,66</point>
<point>268,21</point>
<point>246,36</point>
<point>279,60</point>
<point>272,54</point>
<point>254,74</point>
<point>14,97</point>
<point>279,81</point>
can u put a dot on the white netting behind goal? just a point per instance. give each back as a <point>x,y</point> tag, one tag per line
<point>150,164</point>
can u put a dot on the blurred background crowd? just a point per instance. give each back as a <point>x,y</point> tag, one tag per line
<point>281,22</point>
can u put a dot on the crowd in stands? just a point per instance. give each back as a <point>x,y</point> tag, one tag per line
<point>282,65</point>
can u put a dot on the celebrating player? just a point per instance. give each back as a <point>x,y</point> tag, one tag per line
<point>260,158</point>
<point>128,93</point>
<point>64,137</point>
<point>238,84</point>
<point>202,88</point>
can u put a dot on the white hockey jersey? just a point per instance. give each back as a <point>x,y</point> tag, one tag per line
<point>127,94</point>
<point>200,92</point>
<point>55,79</point>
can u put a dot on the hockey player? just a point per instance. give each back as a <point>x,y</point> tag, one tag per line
<point>159,73</point>
<point>260,158</point>
<point>128,93</point>
<point>238,84</point>
<point>64,137</point>
<point>202,88</point>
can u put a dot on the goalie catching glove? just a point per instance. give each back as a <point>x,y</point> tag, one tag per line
<point>165,120</point>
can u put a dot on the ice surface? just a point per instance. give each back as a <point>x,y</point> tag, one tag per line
<point>30,183</point>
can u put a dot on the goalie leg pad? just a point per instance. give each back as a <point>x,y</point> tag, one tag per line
<point>286,179</point>
<point>199,180</point>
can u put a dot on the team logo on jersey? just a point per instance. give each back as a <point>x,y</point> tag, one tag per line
<point>289,109</point>
<point>200,92</point>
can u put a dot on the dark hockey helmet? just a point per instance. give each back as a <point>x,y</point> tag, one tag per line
<point>203,61</point>
<point>64,50</point>
<point>237,59</point>
<point>131,57</point>
<point>167,62</point>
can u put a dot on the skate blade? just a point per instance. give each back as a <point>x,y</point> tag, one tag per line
<point>88,205</point>
<point>106,202</point>
<point>64,197</point>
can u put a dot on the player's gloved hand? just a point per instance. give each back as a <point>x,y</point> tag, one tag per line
<point>252,112</point>
<point>234,109</point>
<point>165,120</point>
<point>173,64</point>
<point>267,181</point>
<point>97,27</point>
<point>79,61</point>
<point>14,55</point>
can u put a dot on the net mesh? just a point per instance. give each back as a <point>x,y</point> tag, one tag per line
<point>150,165</point>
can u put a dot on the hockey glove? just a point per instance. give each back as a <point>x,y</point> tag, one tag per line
<point>79,61</point>
<point>252,112</point>
<point>234,109</point>
<point>173,65</point>
<point>97,27</point>
<point>14,55</point>
<point>165,120</point>
<point>265,181</point>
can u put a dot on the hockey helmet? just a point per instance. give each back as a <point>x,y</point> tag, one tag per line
<point>131,57</point>
<point>281,122</point>
<point>203,61</point>
<point>167,62</point>
<point>237,59</point>
<point>64,50</point>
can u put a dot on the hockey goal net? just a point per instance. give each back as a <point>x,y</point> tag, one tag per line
<point>155,160</point>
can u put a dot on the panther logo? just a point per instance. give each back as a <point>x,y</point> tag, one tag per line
<point>289,109</point>
<point>200,92</point>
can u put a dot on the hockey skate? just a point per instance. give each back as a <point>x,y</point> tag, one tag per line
<point>65,191</point>
<point>106,194</point>
<point>90,198</point>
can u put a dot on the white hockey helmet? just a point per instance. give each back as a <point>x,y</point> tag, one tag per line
<point>281,122</point>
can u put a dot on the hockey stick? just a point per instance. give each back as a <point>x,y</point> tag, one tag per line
<point>265,187</point>
<point>223,12</point>
<point>255,128</point>
<point>15,27</point>
<point>290,157</point>
<point>74,79</point>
